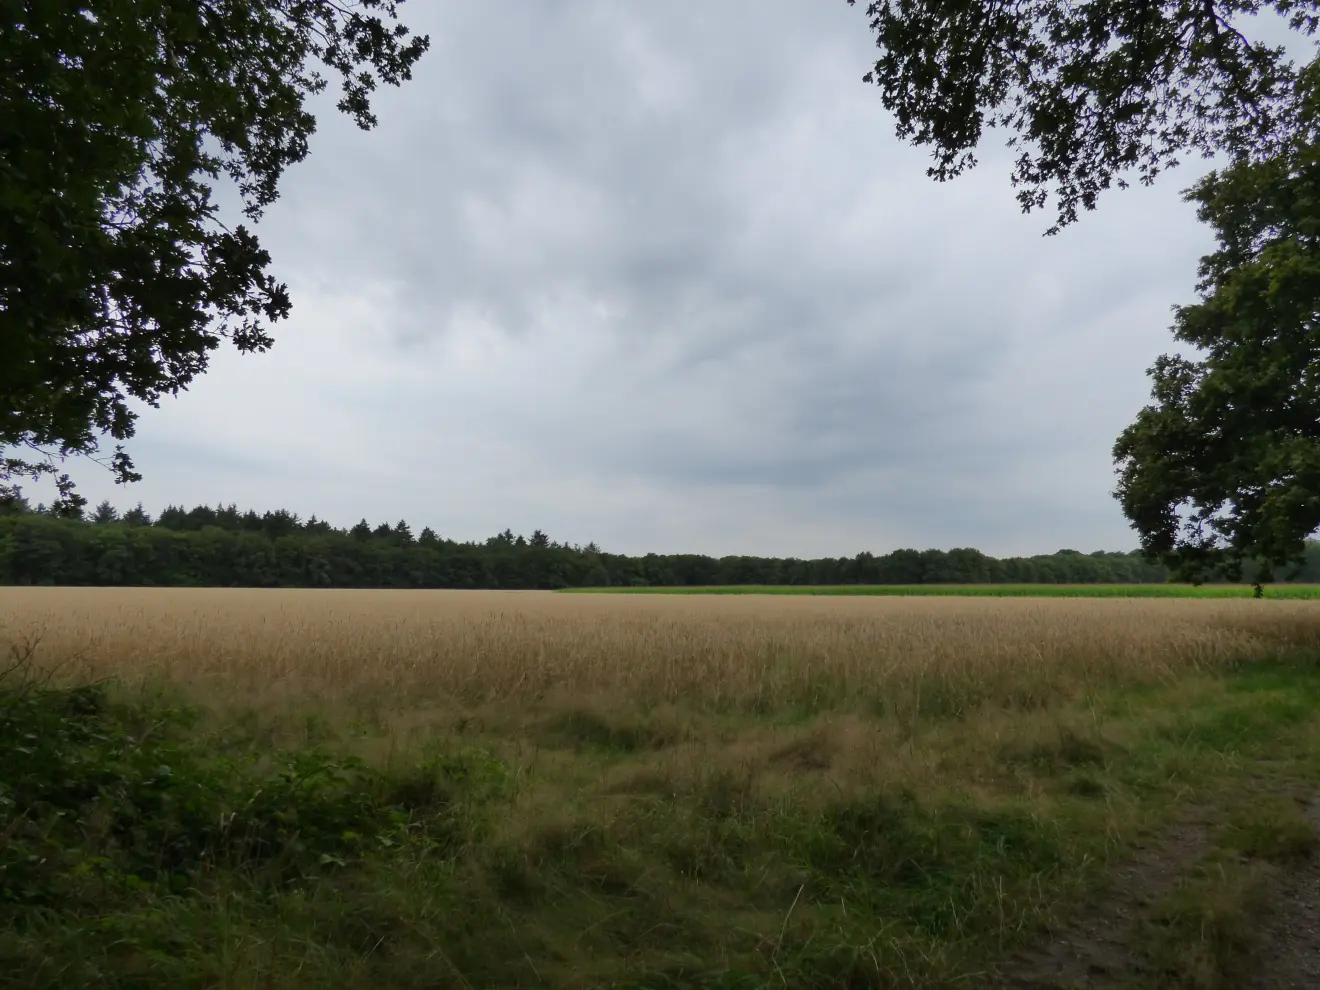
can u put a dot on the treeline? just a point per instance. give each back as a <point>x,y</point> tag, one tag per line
<point>224,547</point>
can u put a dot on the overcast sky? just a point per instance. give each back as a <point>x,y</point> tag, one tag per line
<point>661,276</point>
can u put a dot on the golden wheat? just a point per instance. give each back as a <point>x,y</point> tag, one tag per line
<point>737,653</point>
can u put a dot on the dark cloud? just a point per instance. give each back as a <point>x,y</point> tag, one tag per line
<point>661,276</point>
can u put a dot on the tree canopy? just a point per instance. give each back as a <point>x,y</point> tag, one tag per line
<point>1224,466</point>
<point>224,546</point>
<point>1225,463</point>
<point>1090,92</point>
<point>118,277</point>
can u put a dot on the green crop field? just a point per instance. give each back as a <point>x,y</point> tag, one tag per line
<point>1289,591</point>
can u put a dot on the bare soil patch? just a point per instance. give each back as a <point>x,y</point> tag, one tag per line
<point>1098,950</point>
<point>1104,946</point>
<point>1288,955</point>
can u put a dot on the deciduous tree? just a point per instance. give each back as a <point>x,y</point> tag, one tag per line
<point>1224,466</point>
<point>118,277</point>
<point>1087,93</point>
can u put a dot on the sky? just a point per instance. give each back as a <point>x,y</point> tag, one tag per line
<point>660,276</point>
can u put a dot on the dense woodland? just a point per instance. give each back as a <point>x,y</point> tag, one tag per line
<point>226,547</point>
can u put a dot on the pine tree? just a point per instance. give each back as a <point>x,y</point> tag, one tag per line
<point>105,513</point>
<point>137,516</point>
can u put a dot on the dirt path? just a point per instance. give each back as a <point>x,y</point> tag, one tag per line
<point>1099,951</point>
<point>1096,950</point>
<point>1288,955</point>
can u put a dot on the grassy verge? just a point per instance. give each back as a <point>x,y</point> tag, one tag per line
<point>1282,591</point>
<point>151,839</point>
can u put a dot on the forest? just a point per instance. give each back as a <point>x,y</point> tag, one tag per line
<point>227,547</point>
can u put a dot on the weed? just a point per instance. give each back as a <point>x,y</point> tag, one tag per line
<point>1198,937</point>
<point>1062,750</point>
<point>1085,785</point>
<point>583,729</point>
<point>1270,827</point>
<point>106,807</point>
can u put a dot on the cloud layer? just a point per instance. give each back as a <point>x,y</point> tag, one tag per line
<point>660,276</point>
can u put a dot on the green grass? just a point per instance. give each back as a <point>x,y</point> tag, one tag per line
<point>1201,933</point>
<point>1289,591</point>
<point>151,841</point>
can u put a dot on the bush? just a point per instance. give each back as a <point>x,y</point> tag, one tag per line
<point>100,801</point>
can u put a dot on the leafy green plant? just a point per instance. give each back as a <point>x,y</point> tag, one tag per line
<point>100,798</point>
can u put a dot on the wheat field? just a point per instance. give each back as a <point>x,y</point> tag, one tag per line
<point>743,653</point>
<point>798,791</point>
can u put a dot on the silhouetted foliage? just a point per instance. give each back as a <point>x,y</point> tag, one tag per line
<point>1222,472</point>
<point>1224,466</point>
<point>1087,94</point>
<point>118,277</point>
<point>223,547</point>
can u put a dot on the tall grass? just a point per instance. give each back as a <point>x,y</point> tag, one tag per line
<point>522,789</point>
<point>719,654</point>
